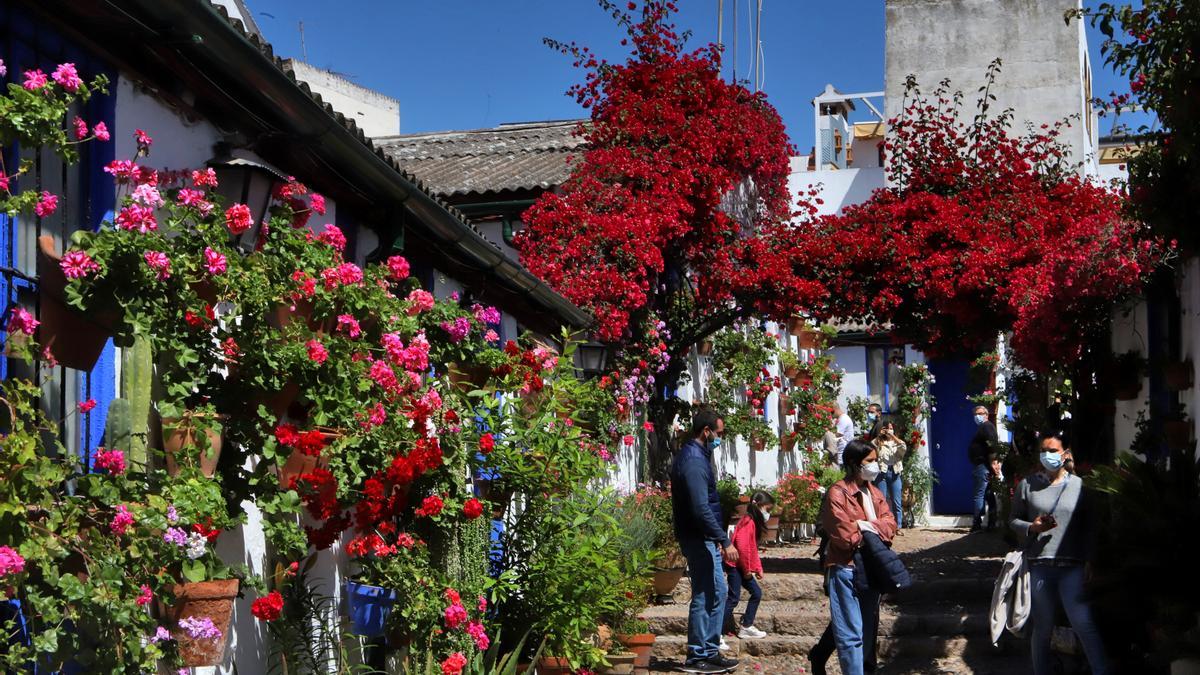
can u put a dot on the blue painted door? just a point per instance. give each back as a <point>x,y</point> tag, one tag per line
<point>950,429</point>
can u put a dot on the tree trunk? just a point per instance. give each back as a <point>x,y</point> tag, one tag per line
<point>662,410</point>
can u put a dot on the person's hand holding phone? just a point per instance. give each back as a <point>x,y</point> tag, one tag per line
<point>1043,523</point>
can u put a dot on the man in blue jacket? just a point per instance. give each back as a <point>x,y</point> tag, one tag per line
<point>698,527</point>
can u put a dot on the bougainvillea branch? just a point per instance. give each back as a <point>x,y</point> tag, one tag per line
<point>981,232</point>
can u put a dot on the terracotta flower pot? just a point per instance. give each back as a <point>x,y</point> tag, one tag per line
<point>278,402</point>
<point>705,348</point>
<point>758,444</point>
<point>791,372</point>
<point>641,644</point>
<point>179,441</point>
<point>299,463</point>
<point>553,665</point>
<point>211,599</point>
<point>76,339</point>
<point>665,581</point>
<point>1178,433</point>
<point>672,560</point>
<point>283,315</point>
<point>802,380</point>
<point>796,325</point>
<point>468,377</point>
<point>1178,376</point>
<point>810,339</point>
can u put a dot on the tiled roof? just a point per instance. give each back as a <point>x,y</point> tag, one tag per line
<point>522,156</point>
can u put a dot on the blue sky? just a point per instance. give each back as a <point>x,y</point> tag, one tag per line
<point>464,64</point>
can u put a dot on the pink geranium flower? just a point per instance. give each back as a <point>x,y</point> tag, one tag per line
<point>87,406</point>
<point>22,321</point>
<point>317,352</point>
<point>46,205</point>
<point>214,261</point>
<point>67,77</point>
<point>81,128</point>
<point>122,521</point>
<point>34,79</point>
<point>398,267</point>
<point>159,262</point>
<point>77,264</point>
<point>11,562</point>
<point>112,461</point>
<point>100,129</point>
<point>206,178</point>
<point>238,218</point>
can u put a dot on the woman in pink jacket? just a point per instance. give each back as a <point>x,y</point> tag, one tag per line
<point>748,568</point>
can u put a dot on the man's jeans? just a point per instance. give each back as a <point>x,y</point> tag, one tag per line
<point>707,609</point>
<point>738,581</point>
<point>980,473</point>
<point>850,631</point>
<point>1051,584</point>
<point>890,484</point>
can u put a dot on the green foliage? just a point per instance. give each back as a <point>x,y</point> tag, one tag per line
<point>740,382</point>
<point>813,400</point>
<point>730,492</point>
<point>856,408</point>
<point>798,497</point>
<point>306,638</point>
<point>918,479</point>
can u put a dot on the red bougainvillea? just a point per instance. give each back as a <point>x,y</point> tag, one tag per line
<point>982,232</point>
<point>679,206</point>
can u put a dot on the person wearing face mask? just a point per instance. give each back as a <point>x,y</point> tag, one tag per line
<point>982,445</point>
<point>1056,516</point>
<point>853,506</point>
<point>891,455</point>
<point>696,508</point>
<point>748,569</point>
<point>843,429</point>
<point>874,421</point>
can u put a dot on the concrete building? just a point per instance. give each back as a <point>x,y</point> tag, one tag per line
<point>375,113</point>
<point>1045,77</point>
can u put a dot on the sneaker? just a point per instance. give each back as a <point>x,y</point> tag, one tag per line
<point>721,661</point>
<point>751,633</point>
<point>724,645</point>
<point>703,667</point>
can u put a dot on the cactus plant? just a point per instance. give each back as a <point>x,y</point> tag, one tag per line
<point>136,374</point>
<point>118,432</point>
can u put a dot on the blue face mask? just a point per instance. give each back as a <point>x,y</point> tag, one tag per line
<point>1053,461</point>
<point>980,419</point>
<point>871,417</point>
<point>714,443</point>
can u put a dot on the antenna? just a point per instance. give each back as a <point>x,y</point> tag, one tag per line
<point>735,13</point>
<point>758,48</point>
<point>720,21</point>
<point>303,48</point>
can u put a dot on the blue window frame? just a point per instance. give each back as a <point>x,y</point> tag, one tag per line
<point>86,199</point>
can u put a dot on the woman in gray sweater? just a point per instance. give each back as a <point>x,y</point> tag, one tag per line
<point>1057,519</point>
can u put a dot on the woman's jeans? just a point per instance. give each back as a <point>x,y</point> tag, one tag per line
<point>738,581</point>
<point>846,610</point>
<point>705,569</point>
<point>1051,584</point>
<point>890,484</point>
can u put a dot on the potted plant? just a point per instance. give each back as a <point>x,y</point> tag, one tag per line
<point>704,347</point>
<point>191,438</point>
<point>789,363</point>
<point>1178,375</point>
<point>1127,371</point>
<point>798,499</point>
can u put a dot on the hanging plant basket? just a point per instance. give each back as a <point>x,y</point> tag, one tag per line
<point>76,339</point>
<point>469,376</point>
<point>282,316</point>
<point>758,444</point>
<point>796,325</point>
<point>802,380</point>
<point>1178,433</point>
<point>211,599</point>
<point>278,402</point>
<point>181,446</point>
<point>1178,376</point>
<point>298,463</point>
<point>810,339</point>
<point>791,372</point>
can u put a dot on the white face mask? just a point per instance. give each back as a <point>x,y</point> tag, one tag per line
<point>766,514</point>
<point>868,472</point>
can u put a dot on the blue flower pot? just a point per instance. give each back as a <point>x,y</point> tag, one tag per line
<point>369,608</point>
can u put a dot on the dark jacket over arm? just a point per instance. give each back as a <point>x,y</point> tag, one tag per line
<point>984,442</point>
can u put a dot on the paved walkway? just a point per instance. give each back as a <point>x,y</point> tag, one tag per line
<point>938,626</point>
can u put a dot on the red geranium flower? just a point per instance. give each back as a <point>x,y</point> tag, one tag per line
<point>268,608</point>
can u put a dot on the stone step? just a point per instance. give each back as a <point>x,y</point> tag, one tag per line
<point>808,588</point>
<point>924,647</point>
<point>785,618</point>
<point>1014,662</point>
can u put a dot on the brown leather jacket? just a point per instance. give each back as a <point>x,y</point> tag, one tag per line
<point>840,515</point>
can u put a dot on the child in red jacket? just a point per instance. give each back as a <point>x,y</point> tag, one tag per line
<point>748,569</point>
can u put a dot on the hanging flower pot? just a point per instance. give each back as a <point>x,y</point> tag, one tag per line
<point>1127,391</point>
<point>369,608</point>
<point>810,339</point>
<point>796,325</point>
<point>76,339</point>
<point>705,348</point>
<point>791,372</point>
<point>182,447</point>
<point>641,644</point>
<point>200,618</point>
<point>468,377</point>
<point>302,309</point>
<point>1178,375</point>
<point>278,402</point>
<point>496,495</point>
<point>1178,433</point>
<point>802,380</point>
<point>758,444</point>
<point>298,463</point>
